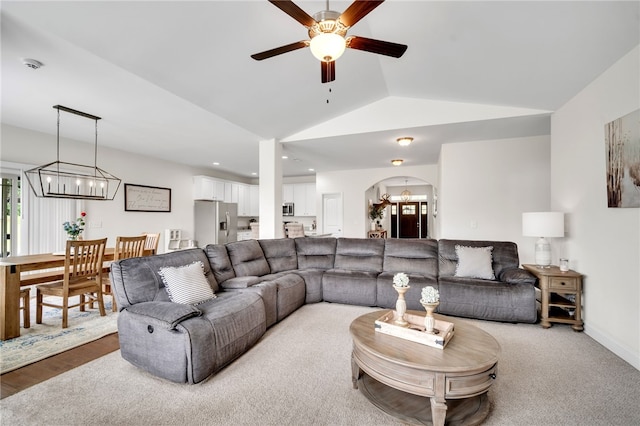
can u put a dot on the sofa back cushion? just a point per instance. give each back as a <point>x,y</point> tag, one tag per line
<point>247,258</point>
<point>411,256</point>
<point>137,279</point>
<point>220,263</point>
<point>504,254</point>
<point>280,254</point>
<point>315,253</point>
<point>359,254</point>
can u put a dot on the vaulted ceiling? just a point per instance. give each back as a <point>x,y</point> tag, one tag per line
<point>174,79</point>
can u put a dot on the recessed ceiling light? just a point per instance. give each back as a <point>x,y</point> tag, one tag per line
<point>405,141</point>
<point>397,162</point>
<point>215,163</point>
<point>254,174</point>
<point>284,157</point>
<point>312,170</point>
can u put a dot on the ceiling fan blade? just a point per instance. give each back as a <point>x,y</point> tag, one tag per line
<point>279,50</point>
<point>328,70</point>
<point>358,10</point>
<point>376,46</point>
<point>291,9</point>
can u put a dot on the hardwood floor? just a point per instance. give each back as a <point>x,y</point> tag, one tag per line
<point>32,374</point>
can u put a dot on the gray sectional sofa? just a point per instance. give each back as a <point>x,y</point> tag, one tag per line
<point>257,283</point>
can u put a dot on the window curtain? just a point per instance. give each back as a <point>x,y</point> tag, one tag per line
<point>44,218</point>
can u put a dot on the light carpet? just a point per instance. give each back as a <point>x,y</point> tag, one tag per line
<point>299,373</point>
<point>41,341</point>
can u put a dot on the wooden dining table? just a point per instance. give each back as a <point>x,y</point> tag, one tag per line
<point>14,274</point>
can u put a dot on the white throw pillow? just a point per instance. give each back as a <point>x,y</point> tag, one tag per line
<point>187,284</point>
<point>475,262</point>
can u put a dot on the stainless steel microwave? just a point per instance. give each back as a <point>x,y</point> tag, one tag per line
<point>287,209</point>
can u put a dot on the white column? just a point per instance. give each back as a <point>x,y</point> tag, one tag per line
<point>270,157</point>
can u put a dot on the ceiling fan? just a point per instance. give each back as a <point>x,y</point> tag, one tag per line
<point>328,35</point>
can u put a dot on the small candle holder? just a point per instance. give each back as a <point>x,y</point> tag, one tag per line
<point>401,305</point>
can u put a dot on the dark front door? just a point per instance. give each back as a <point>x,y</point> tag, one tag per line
<point>409,220</point>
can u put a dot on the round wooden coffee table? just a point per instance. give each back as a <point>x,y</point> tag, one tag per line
<point>398,375</point>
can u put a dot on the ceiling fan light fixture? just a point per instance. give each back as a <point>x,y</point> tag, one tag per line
<point>327,47</point>
<point>405,141</point>
<point>397,162</point>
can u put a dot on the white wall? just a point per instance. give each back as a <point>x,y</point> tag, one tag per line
<point>34,148</point>
<point>485,186</point>
<point>353,184</point>
<point>602,243</point>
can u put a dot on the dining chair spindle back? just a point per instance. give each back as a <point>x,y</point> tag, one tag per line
<point>82,277</point>
<point>151,243</point>
<point>126,247</point>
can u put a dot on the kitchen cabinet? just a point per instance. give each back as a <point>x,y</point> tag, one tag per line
<point>287,193</point>
<point>248,200</point>
<point>207,188</point>
<point>304,199</point>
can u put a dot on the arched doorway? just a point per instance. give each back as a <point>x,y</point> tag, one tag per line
<point>407,209</point>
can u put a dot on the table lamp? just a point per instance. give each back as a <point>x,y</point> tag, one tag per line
<point>543,224</point>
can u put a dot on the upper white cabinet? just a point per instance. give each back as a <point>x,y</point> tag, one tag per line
<point>248,200</point>
<point>304,197</point>
<point>207,188</point>
<point>287,193</point>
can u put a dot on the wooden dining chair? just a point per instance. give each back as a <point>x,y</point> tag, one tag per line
<point>294,230</point>
<point>82,277</point>
<point>255,230</point>
<point>151,243</point>
<point>25,296</point>
<point>125,247</point>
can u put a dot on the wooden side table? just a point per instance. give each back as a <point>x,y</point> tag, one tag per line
<point>378,234</point>
<point>561,296</point>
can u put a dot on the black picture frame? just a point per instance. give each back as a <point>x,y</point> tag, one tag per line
<point>143,198</point>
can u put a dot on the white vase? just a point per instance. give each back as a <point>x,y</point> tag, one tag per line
<point>401,306</point>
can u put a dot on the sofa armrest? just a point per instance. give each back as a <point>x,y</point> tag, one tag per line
<point>165,314</point>
<point>517,276</point>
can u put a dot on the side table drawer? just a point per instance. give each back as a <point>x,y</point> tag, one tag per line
<point>561,283</point>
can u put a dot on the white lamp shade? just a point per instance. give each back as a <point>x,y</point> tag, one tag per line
<point>327,46</point>
<point>543,224</point>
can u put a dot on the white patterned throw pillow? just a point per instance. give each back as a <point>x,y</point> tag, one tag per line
<point>187,284</point>
<point>475,262</point>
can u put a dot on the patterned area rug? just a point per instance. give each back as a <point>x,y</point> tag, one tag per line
<point>49,338</point>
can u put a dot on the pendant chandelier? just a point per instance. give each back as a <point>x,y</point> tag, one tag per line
<point>406,194</point>
<point>60,179</point>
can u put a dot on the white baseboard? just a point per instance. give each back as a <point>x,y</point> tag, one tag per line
<point>622,351</point>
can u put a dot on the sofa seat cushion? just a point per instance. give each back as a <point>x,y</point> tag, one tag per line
<point>485,299</point>
<point>386,295</point>
<point>247,258</point>
<point>241,282</point>
<point>349,287</point>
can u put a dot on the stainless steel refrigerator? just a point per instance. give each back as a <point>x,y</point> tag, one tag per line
<point>215,222</point>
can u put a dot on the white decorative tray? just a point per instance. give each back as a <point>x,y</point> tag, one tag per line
<point>443,330</point>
